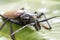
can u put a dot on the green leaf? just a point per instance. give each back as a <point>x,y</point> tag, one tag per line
<point>25,34</point>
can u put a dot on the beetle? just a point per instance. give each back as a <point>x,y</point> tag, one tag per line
<point>22,18</point>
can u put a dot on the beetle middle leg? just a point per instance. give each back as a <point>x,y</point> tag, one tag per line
<point>11,31</point>
<point>46,21</point>
<point>44,26</point>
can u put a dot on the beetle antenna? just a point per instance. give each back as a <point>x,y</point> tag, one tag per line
<point>48,19</point>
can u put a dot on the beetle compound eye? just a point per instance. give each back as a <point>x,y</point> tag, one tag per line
<point>25,17</point>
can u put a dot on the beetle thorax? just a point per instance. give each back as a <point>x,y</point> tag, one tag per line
<point>27,18</point>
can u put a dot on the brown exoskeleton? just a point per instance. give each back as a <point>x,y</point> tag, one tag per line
<point>22,18</point>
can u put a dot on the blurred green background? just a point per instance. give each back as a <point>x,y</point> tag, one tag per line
<point>49,7</point>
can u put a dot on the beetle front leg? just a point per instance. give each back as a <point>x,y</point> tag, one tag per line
<point>44,26</point>
<point>37,26</point>
<point>46,21</point>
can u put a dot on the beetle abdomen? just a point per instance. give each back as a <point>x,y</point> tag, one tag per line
<point>12,14</point>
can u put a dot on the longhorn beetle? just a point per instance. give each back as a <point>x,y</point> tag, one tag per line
<point>23,18</point>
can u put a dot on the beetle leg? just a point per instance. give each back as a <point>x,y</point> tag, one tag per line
<point>16,22</point>
<point>45,18</point>
<point>3,25</point>
<point>48,19</point>
<point>47,22</point>
<point>37,26</point>
<point>44,26</point>
<point>2,16</point>
<point>11,31</point>
<point>40,15</point>
<point>21,28</point>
